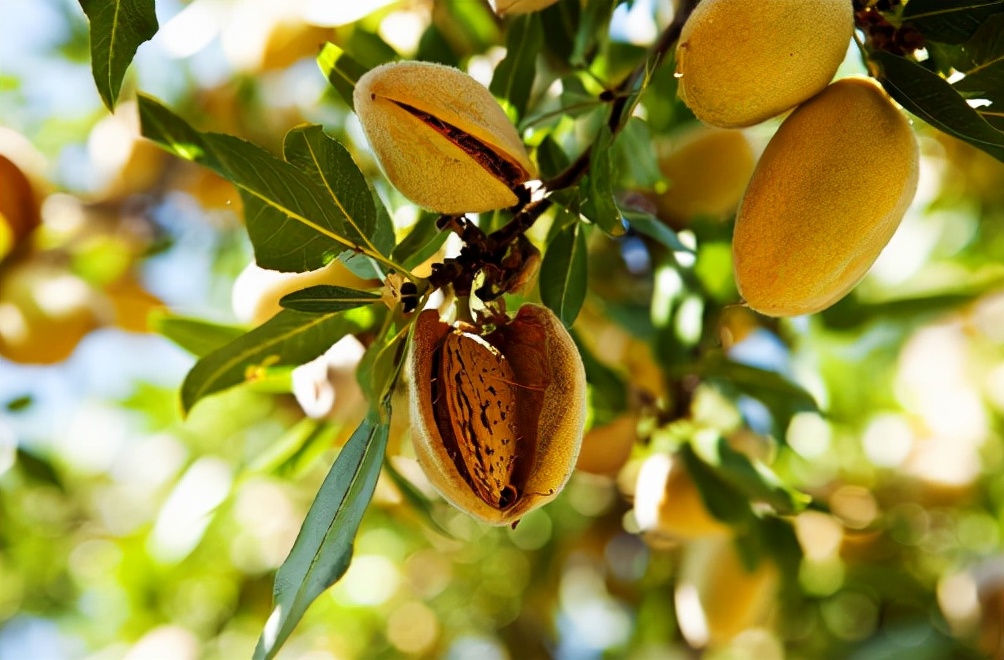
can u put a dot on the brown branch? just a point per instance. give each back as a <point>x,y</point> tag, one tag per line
<point>623,92</point>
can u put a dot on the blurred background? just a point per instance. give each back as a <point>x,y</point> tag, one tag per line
<point>129,532</point>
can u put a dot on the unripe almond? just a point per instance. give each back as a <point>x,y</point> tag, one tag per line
<point>744,61</point>
<point>441,138</point>
<point>827,195</point>
<point>497,418</point>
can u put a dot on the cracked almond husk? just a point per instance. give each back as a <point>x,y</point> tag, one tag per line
<point>497,417</point>
<point>441,138</point>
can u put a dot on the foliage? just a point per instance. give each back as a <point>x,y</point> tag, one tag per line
<point>817,440</point>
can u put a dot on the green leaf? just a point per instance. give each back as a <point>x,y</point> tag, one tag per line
<point>599,205</point>
<point>950,21</point>
<point>656,229</point>
<point>327,299</point>
<point>329,165</point>
<point>380,364</point>
<point>754,480</point>
<point>932,98</point>
<point>551,158</point>
<point>563,273</point>
<point>633,157</point>
<point>513,78</point>
<point>421,242</point>
<point>118,27</point>
<point>985,66</point>
<point>341,70</point>
<point>291,220</point>
<point>782,397</point>
<point>288,338</point>
<point>323,549</point>
<point>722,499</point>
<point>592,29</point>
<point>608,393</point>
<point>416,498</point>
<point>196,336</point>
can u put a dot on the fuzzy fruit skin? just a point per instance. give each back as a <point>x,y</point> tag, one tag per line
<point>540,351</point>
<point>745,61</point>
<point>827,195</point>
<point>423,165</point>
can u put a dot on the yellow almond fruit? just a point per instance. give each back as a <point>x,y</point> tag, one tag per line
<point>707,170</point>
<point>605,449</point>
<point>441,138</point>
<point>717,597</point>
<point>827,195</point>
<point>505,7</point>
<point>741,62</point>
<point>497,417</point>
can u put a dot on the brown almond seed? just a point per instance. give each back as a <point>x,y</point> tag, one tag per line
<point>497,417</point>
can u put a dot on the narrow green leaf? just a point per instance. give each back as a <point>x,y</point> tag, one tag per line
<point>592,28</point>
<point>950,21</point>
<point>754,480</point>
<point>984,67</point>
<point>329,165</point>
<point>196,336</point>
<point>722,499</point>
<point>633,156</point>
<point>608,393</point>
<point>421,242</point>
<point>327,299</point>
<point>291,220</point>
<point>323,549</point>
<point>656,229</point>
<point>341,70</point>
<point>416,498</point>
<point>932,98</point>
<point>288,338</point>
<point>599,205</point>
<point>513,78</point>
<point>118,27</point>
<point>380,364</point>
<point>551,158</point>
<point>563,273</point>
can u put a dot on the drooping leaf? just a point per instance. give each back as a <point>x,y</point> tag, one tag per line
<point>327,299</point>
<point>421,504</point>
<point>433,47</point>
<point>341,70</point>
<point>950,21</point>
<point>380,364</point>
<point>633,157</point>
<point>755,481</point>
<point>288,338</point>
<point>984,65</point>
<point>421,242</point>
<point>656,229</point>
<point>513,78</point>
<point>784,398</point>
<point>551,158</point>
<point>722,499</point>
<point>561,24</point>
<point>563,273</point>
<point>932,98</point>
<point>608,393</point>
<point>291,221</point>
<point>593,26</point>
<point>599,205</point>
<point>323,549</point>
<point>118,27</point>
<point>196,336</point>
<point>329,165</point>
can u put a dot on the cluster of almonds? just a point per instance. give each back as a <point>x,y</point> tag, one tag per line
<point>837,177</point>
<point>497,409</point>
